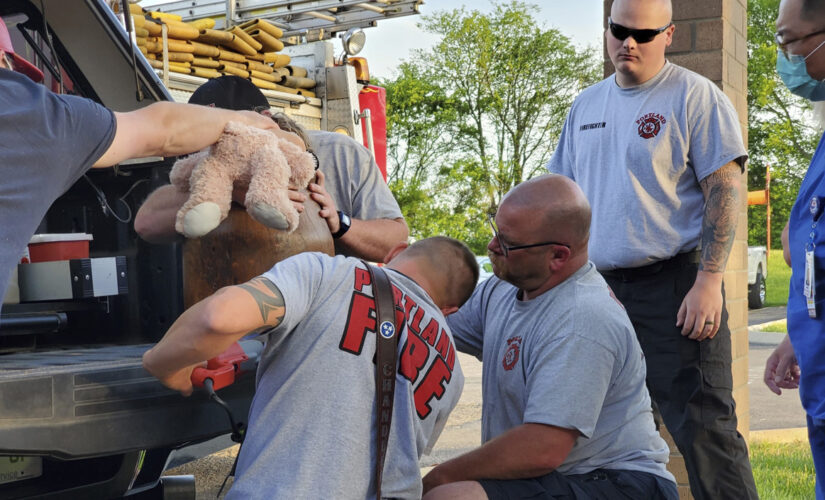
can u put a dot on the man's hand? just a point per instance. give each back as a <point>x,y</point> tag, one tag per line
<point>258,120</point>
<point>786,245</point>
<point>700,314</point>
<point>434,478</point>
<point>781,369</point>
<point>328,209</point>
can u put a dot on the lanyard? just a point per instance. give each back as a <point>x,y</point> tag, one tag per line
<point>809,288</point>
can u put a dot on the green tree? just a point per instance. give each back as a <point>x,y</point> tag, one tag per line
<point>477,114</point>
<point>781,130</point>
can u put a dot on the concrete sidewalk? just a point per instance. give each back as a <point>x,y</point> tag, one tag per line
<point>772,417</point>
<point>770,414</point>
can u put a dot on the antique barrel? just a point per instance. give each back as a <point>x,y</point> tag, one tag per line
<point>241,248</point>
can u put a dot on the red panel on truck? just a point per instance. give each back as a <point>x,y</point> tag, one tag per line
<point>375,99</point>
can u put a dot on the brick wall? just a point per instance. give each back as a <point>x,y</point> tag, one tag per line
<point>710,38</point>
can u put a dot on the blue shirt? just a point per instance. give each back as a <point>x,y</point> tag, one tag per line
<point>808,334</point>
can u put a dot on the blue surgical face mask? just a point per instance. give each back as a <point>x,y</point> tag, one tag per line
<point>794,74</point>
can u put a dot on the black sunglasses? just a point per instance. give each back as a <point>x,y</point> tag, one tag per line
<point>505,249</point>
<point>641,36</point>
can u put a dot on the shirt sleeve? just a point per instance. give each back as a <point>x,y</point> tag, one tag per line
<point>467,324</point>
<point>372,198</point>
<point>298,278</point>
<point>60,136</point>
<point>562,160</point>
<point>715,131</point>
<point>85,123</point>
<point>567,382</point>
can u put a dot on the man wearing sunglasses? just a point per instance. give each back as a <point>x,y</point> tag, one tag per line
<point>565,410</point>
<point>797,362</point>
<point>658,151</point>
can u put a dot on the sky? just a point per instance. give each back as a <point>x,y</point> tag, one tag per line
<point>394,39</point>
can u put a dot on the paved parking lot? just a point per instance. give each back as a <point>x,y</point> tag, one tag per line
<point>463,430</point>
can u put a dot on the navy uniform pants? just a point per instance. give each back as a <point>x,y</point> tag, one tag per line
<point>601,484</point>
<point>690,382</point>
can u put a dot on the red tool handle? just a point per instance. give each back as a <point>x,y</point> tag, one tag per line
<point>221,369</point>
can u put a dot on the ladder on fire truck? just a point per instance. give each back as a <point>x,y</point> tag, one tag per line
<point>311,20</point>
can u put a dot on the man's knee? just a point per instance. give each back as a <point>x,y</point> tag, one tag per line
<point>462,490</point>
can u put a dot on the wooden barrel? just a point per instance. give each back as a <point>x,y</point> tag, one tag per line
<point>241,248</point>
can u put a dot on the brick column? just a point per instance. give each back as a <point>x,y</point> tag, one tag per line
<point>710,39</point>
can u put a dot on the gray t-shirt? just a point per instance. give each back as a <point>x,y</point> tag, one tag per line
<point>567,358</point>
<point>47,141</point>
<point>312,427</point>
<point>639,153</point>
<point>352,177</point>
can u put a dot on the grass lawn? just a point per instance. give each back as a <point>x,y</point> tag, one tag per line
<point>776,284</point>
<point>783,471</point>
<point>775,327</point>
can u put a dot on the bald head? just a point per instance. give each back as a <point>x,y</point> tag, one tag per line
<point>559,207</point>
<point>446,268</point>
<point>660,11</point>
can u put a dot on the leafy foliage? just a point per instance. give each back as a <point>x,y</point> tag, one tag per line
<point>781,129</point>
<point>477,114</point>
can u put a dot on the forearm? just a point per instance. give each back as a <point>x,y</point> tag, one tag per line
<point>372,239</point>
<point>155,220</point>
<point>195,337</point>
<point>722,201</point>
<point>172,129</point>
<point>190,129</point>
<point>529,450</point>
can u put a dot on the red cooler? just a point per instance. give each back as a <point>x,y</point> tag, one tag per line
<point>59,246</point>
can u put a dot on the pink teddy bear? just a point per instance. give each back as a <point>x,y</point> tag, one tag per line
<point>243,157</point>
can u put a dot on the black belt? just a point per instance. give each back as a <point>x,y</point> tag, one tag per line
<point>631,273</point>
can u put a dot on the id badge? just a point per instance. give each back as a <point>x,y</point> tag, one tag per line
<point>809,290</point>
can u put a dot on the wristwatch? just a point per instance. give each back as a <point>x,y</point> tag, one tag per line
<point>345,223</point>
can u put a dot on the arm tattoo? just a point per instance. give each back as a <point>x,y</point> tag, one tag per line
<point>721,190</point>
<point>269,299</point>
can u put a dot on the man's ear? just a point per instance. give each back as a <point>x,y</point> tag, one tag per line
<point>394,251</point>
<point>558,257</point>
<point>669,35</point>
<point>448,310</point>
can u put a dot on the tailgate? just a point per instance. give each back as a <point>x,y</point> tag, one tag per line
<point>99,401</point>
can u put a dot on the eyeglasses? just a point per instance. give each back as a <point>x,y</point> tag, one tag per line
<point>506,249</point>
<point>641,36</point>
<point>783,44</point>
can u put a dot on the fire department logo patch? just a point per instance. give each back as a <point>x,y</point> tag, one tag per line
<point>650,125</point>
<point>511,354</point>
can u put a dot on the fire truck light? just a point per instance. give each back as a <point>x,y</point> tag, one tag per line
<point>353,41</point>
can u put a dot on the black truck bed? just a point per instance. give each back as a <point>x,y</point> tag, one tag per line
<point>74,403</point>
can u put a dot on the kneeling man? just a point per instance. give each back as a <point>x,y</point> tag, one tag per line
<point>312,425</point>
<point>565,413</point>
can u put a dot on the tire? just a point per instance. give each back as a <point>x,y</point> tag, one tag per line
<point>757,291</point>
